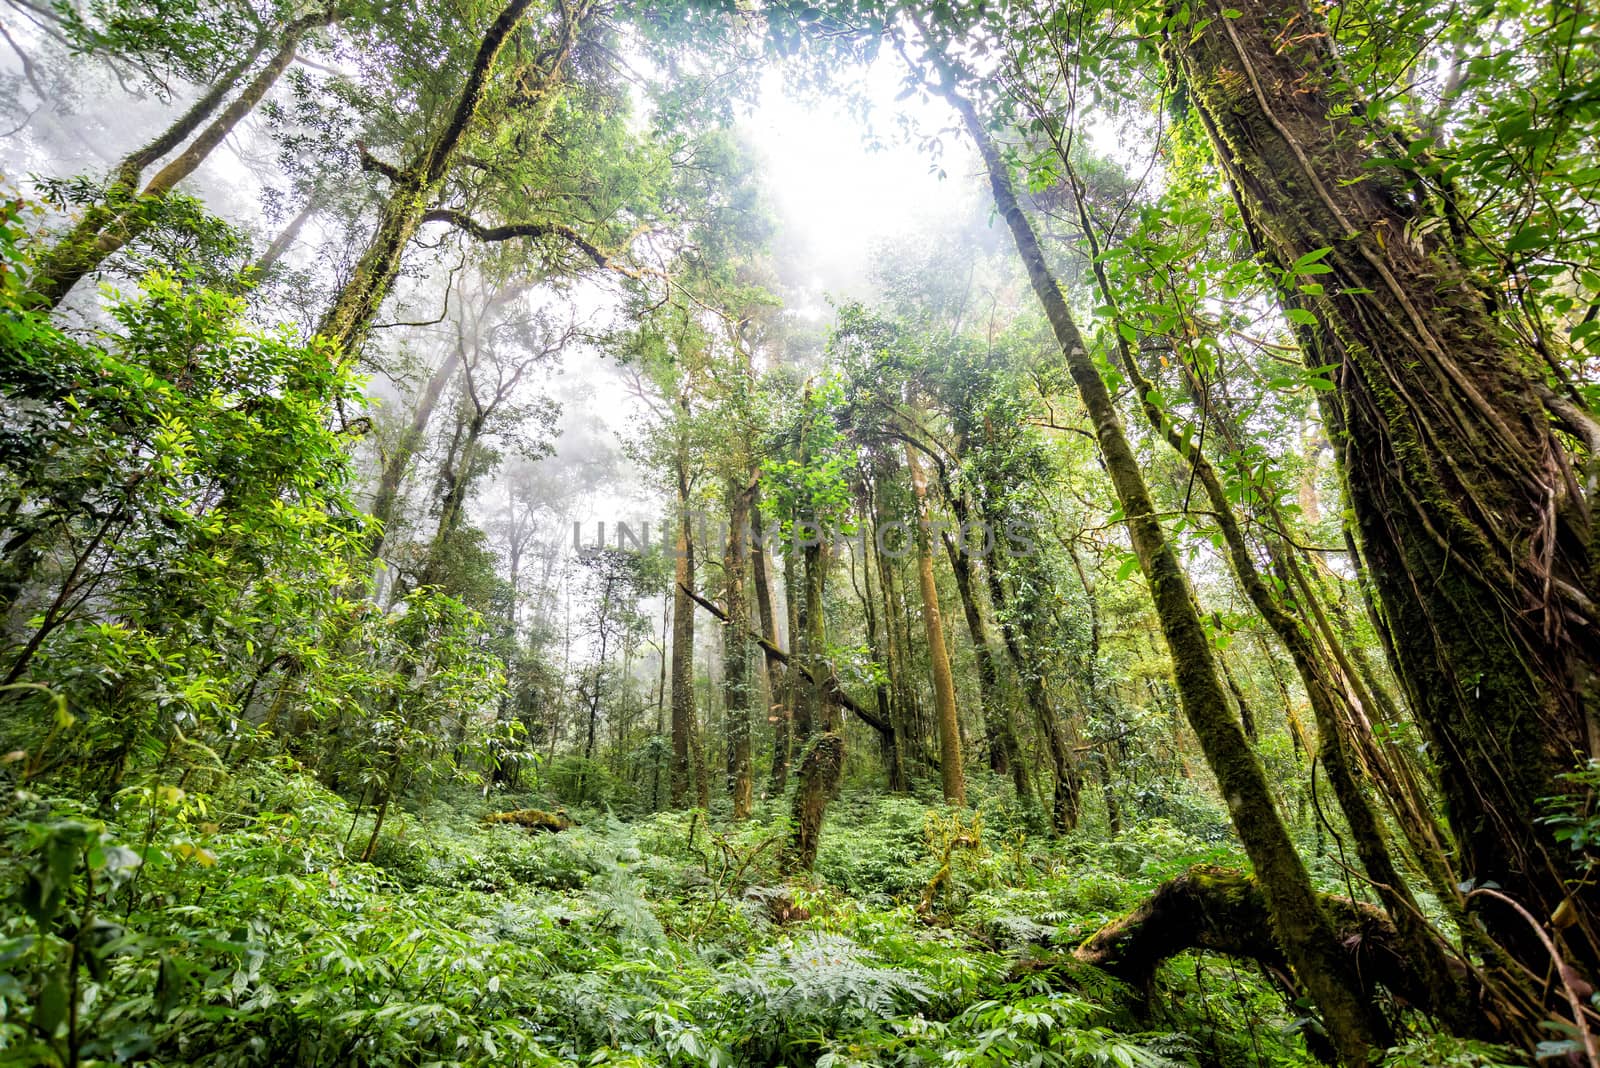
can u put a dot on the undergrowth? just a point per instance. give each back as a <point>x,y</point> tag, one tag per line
<point>167,927</point>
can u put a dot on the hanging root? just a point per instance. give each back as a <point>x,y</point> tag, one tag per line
<point>1224,911</point>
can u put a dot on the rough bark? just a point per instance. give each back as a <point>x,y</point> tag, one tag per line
<point>737,682</point>
<point>832,690</point>
<point>1217,910</point>
<point>1331,704</point>
<point>416,187</point>
<point>1477,536</point>
<point>818,773</point>
<point>98,236</point>
<point>951,775</point>
<point>823,762</point>
<point>1304,930</point>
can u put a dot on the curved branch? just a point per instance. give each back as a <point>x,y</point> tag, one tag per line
<point>1224,911</point>
<point>512,231</point>
<point>831,685</point>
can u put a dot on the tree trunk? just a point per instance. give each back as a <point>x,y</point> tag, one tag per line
<point>1331,703</point>
<point>1476,533</point>
<point>683,725</point>
<point>823,762</point>
<point>286,238</point>
<point>124,185</point>
<point>766,613</point>
<point>819,772</point>
<point>737,683</point>
<point>880,647</point>
<point>1303,929</point>
<point>951,775</point>
<point>1222,911</point>
<point>1065,780</point>
<point>108,227</point>
<point>1005,751</point>
<point>784,729</point>
<point>398,462</point>
<point>417,185</point>
<point>457,478</point>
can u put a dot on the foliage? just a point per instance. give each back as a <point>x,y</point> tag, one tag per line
<point>234,928</point>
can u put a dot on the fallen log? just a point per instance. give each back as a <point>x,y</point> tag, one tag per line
<point>532,819</point>
<point>1224,911</point>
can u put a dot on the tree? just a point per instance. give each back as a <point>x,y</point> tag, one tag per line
<point>415,186</point>
<point>1472,515</point>
<point>127,211</point>
<point>944,690</point>
<point>1308,940</point>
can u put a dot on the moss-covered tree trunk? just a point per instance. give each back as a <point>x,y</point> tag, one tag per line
<point>822,762</point>
<point>1302,928</point>
<point>125,214</point>
<point>737,683</point>
<point>1475,531</point>
<point>416,186</point>
<point>951,775</point>
<point>1331,703</point>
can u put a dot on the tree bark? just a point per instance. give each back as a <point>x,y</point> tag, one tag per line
<point>1476,533</point>
<point>417,185</point>
<point>951,775</point>
<point>109,227</point>
<point>823,762</point>
<point>1331,704</point>
<point>737,683</point>
<point>1221,911</point>
<point>1302,927</point>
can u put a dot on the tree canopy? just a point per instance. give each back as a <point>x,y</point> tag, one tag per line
<point>486,577</point>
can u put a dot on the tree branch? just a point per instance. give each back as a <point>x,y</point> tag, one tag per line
<point>512,231</point>
<point>830,685</point>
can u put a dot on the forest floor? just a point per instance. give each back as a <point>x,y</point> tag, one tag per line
<point>239,928</point>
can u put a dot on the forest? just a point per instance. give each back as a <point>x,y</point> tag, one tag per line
<point>740,532</point>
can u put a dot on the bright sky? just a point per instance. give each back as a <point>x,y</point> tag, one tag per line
<point>836,195</point>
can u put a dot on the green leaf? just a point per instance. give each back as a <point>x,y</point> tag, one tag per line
<point>50,1011</point>
<point>1304,263</point>
<point>1529,237</point>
